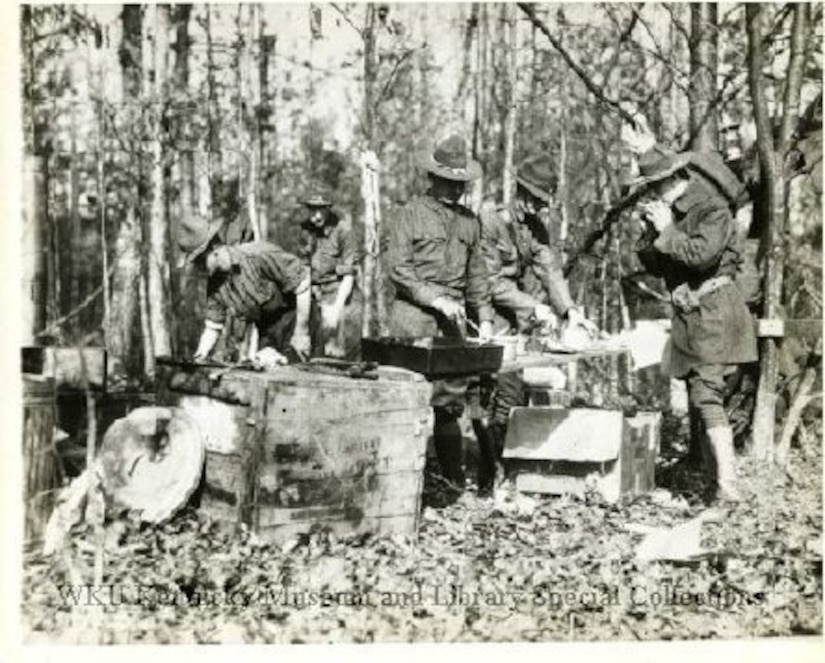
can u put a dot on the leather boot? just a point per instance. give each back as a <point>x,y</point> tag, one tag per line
<point>721,443</point>
<point>449,449</point>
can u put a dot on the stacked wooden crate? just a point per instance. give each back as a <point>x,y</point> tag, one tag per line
<point>287,449</point>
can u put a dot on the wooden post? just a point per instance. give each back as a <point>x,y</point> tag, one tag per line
<point>39,460</point>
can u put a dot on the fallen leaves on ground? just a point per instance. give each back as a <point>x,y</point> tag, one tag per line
<point>511,568</point>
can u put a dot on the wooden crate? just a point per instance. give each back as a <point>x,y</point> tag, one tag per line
<point>556,451</point>
<point>288,448</point>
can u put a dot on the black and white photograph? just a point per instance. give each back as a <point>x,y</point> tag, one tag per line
<point>457,322</point>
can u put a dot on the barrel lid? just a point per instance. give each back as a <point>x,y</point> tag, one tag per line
<point>152,461</point>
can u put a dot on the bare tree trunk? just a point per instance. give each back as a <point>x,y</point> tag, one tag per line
<point>118,327</point>
<point>703,64</point>
<point>510,43</point>
<point>369,174</point>
<point>480,87</point>
<point>250,100</point>
<point>157,258</point>
<point>773,190</point>
<point>35,193</point>
<point>214,115</point>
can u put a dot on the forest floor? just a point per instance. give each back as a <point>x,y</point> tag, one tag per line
<point>513,568</point>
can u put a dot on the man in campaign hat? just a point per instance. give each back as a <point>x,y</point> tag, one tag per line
<point>527,283</point>
<point>257,281</point>
<point>689,238</point>
<point>434,261</point>
<point>330,248</point>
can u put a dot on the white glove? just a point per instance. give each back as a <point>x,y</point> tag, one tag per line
<point>330,316</point>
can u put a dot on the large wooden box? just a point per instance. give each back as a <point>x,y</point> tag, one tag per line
<point>288,448</point>
<point>570,451</point>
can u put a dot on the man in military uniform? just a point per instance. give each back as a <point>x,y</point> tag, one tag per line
<point>435,263</point>
<point>527,285</point>
<point>689,238</point>
<point>258,282</point>
<point>329,247</point>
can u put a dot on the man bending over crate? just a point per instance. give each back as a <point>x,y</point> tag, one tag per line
<point>257,281</point>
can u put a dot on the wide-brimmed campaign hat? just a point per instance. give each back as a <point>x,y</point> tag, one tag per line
<point>537,175</point>
<point>195,234</point>
<point>658,165</point>
<point>317,198</point>
<point>449,161</point>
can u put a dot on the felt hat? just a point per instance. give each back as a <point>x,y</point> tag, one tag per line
<point>195,234</point>
<point>658,165</point>
<point>538,176</point>
<point>449,161</point>
<point>317,198</point>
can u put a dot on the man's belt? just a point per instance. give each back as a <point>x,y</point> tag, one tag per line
<point>687,299</point>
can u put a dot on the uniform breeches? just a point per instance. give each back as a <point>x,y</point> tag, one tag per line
<point>707,391</point>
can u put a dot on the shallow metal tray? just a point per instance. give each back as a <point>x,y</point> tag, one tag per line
<point>434,356</point>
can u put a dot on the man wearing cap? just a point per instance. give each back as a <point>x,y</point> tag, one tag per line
<point>257,281</point>
<point>513,250</point>
<point>329,247</point>
<point>527,283</point>
<point>689,238</point>
<point>435,263</point>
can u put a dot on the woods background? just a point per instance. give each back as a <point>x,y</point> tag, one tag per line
<point>137,115</point>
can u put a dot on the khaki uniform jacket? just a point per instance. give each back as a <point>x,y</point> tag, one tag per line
<point>701,244</point>
<point>262,275</point>
<point>433,250</point>
<point>514,256</point>
<point>331,253</point>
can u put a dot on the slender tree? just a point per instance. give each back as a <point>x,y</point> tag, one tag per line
<point>156,54</point>
<point>703,67</point>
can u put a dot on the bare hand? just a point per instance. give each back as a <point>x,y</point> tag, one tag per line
<point>301,343</point>
<point>658,214</point>
<point>451,310</point>
<point>575,318</point>
<point>269,358</point>
<point>485,330</point>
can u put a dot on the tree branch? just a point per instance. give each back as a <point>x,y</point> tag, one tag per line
<point>793,84</point>
<point>530,12</point>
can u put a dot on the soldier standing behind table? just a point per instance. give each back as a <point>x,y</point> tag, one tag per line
<point>689,238</point>
<point>515,256</point>
<point>330,248</point>
<point>257,281</point>
<point>436,266</point>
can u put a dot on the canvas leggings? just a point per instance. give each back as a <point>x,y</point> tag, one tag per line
<point>707,391</point>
